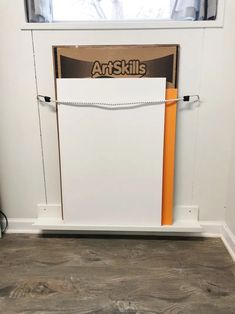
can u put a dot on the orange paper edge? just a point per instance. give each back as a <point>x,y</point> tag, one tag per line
<point>169,158</point>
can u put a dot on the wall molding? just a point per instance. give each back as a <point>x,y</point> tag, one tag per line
<point>21,225</point>
<point>229,240</point>
<point>210,229</point>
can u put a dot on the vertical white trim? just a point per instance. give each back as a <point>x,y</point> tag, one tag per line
<point>220,12</point>
<point>22,12</point>
<point>39,120</point>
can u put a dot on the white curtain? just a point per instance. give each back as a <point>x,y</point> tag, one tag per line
<point>39,11</point>
<point>194,9</point>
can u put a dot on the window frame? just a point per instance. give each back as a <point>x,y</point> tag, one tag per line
<point>126,25</point>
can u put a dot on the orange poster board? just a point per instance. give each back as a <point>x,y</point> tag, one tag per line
<point>169,158</point>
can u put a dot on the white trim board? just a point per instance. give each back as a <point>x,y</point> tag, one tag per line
<point>49,218</point>
<point>59,224</point>
<point>125,25</point>
<point>22,225</point>
<point>218,229</point>
<point>229,240</point>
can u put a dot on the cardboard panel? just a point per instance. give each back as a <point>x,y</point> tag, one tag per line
<point>118,61</point>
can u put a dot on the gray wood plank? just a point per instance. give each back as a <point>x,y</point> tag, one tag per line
<point>79,274</point>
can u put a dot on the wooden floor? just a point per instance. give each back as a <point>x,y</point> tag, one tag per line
<point>57,275</point>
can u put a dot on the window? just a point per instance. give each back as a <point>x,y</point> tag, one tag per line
<point>74,10</point>
<point>57,11</point>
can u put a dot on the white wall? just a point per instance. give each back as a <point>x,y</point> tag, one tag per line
<point>230,212</point>
<point>215,119</point>
<point>204,134</point>
<point>21,178</point>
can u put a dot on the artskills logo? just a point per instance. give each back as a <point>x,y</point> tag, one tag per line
<point>118,67</point>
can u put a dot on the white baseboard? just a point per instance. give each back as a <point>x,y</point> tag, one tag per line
<point>21,225</point>
<point>218,229</point>
<point>229,240</point>
<point>211,229</point>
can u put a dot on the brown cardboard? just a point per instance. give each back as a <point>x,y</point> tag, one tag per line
<point>117,61</point>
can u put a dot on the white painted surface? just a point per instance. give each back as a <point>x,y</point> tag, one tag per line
<point>215,120</point>
<point>207,229</point>
<point>49,216</point>
<point>21,175</point>
<point>204,135</point>
<point>186,129</point>
<point>230,210</point>
<point>177,227</point>
<point>186,213</point>
<point>52,211</point>
<point>228,237</point>
<point>111,160</point>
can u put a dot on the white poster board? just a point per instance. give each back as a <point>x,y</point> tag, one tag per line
<point>111,161</point>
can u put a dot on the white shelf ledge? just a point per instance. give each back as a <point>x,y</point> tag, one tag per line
<point>112,25</point>
<point>56,224</point>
